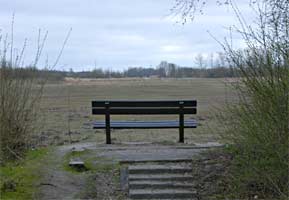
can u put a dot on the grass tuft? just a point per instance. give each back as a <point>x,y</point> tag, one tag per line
<point>19,179</point>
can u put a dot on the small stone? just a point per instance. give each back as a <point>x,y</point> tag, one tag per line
<point>77,150</point>
<point>78,165</point>
<point>74,163</point>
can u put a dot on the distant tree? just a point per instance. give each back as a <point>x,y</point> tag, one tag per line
<point>98,73</point>
<point>212,61</point>
<point>172,70</point>
<point>200,61</point>
<point>70,73</point>
<point>162,69</point>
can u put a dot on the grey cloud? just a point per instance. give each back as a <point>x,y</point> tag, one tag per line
<point>116,33</point>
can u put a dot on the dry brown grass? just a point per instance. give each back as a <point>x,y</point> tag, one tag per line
<point>67,106</point>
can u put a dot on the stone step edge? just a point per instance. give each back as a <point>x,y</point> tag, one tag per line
<point>156,161</point>
<point>161,193</point>
<point>160,171</point>
<point>173,177</point>
<point>157,166</point>
<point>160,185</point>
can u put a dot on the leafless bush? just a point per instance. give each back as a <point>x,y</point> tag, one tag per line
<point>259,123</point>
<point>19,100</point>
<point>21,89</point>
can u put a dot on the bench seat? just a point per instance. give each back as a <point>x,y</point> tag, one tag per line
<point>163,124</point>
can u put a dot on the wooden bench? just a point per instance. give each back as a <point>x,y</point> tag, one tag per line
<point>123,107</point>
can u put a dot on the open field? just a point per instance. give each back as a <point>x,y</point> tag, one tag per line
<point>67,107</point>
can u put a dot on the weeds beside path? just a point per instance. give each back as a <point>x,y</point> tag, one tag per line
<point>48,175</point>
<point>21,179</point>
<point>99,181</point>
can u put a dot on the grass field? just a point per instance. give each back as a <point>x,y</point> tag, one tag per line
<point>66,107</point>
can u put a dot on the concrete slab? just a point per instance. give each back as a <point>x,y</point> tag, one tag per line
<point>150,153</point>
<point>161,193</point>
<point>143,184</point>
<point>154,169</point>
<point>161,177</point>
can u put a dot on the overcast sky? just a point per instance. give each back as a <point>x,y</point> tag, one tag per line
<point>116,34</point>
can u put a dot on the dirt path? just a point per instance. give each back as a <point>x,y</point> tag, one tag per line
<point>58,183</point>
<point>103,181</point>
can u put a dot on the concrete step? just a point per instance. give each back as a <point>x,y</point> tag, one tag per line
<point>161,194</point>
<point>160,177</point>
<point>148,184</point>
<point>156,169</point>
<point>140,160</point>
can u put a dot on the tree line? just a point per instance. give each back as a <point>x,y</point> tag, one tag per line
<point>164,70</point>
<point>212,66</point>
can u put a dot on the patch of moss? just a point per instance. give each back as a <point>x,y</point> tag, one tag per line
<point>19,179</point>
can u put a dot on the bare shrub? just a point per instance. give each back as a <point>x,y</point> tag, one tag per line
<point>21,89</point>
<point>20,93</point>
<point>19,100</point>
<point>259,123</point>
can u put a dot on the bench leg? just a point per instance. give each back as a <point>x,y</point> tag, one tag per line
<point>181,128</point>
<point>108,139</point>
<point>107,129</point>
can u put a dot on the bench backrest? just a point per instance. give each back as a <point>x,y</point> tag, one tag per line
<point>158,107</point>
